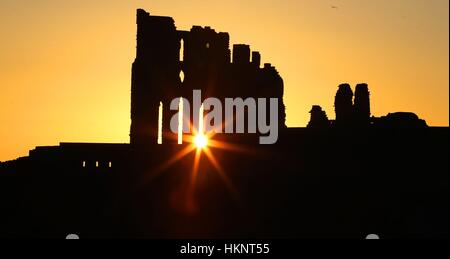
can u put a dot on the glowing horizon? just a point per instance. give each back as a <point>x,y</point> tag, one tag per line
<point>66,66</point>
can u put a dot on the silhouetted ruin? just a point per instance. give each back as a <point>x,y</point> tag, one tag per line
<point>400,120</point>
<point>362,105</point>
<point>343,105</point>
<point>345,178</point>
<point>319,119</point>
<point>351,114</point>
<point>205,65</point>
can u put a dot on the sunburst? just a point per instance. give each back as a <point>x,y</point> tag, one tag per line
<point>202,143</point>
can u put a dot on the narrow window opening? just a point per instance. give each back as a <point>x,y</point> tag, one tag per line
<point>110,164</point>
<point>181,76</point>
<point>160,123</point>
<point>180,122</point>
<point>84,163</point>
<point>200,121</point>
<point>181,50</point>
<point>96,164</point>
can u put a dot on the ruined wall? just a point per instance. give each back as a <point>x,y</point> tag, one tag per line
<point>155,74</point>
<point>352,111</point>
<point>319,118</point>
<point>205,65</point>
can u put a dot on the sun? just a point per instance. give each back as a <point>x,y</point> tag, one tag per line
<point>201,141</point>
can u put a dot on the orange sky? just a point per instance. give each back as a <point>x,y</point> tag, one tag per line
<point>65,66</point>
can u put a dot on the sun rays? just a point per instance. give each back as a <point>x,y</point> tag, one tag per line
<point>196,151</point>
<point>203,146</point>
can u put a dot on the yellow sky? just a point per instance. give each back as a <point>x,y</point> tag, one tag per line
<point>65,66</point>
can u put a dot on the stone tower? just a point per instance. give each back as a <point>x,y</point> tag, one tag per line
<point>362,105</point>
<point>343,105</point>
